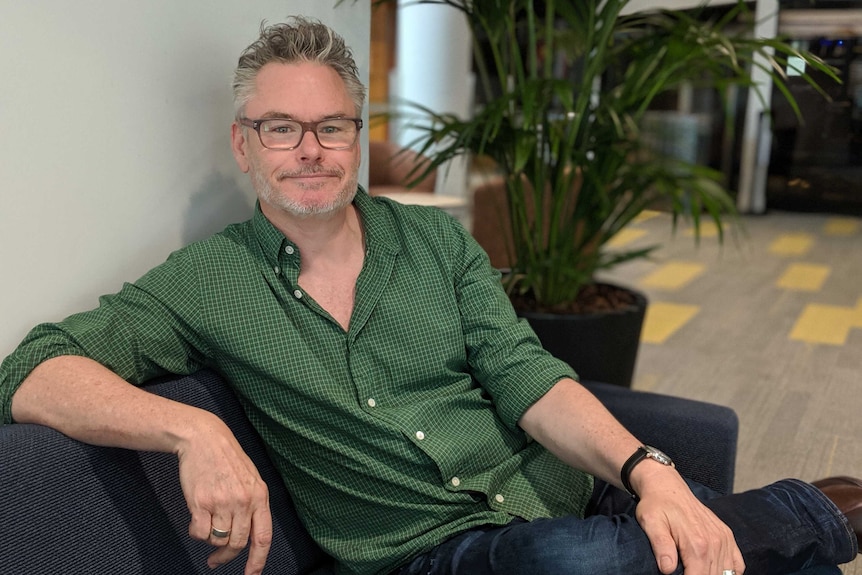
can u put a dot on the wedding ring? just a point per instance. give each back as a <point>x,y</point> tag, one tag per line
<point>221,534</point>
<point>728,572</point>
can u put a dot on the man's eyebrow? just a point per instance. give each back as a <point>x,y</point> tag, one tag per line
<point>275,115</point>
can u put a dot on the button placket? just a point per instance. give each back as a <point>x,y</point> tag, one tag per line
<point>288,261</point>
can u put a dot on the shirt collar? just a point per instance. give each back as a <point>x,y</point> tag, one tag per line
<point>268,236</point>
<point>376,220</point>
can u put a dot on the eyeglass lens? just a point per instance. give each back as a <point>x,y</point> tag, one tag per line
<point>279,133</point>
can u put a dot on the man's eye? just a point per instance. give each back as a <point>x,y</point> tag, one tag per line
<point>281,128</point>
<point>328,129</point>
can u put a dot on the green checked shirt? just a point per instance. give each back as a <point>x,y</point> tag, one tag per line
<point>392,436</point>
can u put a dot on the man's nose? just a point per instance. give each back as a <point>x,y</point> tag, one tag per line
<point>309,144</point>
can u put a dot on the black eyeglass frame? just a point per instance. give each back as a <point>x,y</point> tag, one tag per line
<point>306,127</point>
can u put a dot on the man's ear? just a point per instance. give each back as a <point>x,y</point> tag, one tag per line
<point>238,144</point>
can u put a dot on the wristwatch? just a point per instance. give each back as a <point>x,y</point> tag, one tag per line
<point>642,452</point>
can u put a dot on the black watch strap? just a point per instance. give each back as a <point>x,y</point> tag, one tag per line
<point>641,453</point>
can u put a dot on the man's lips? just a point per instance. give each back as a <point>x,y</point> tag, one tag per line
<point>310,181</point>
<point>307,175</point>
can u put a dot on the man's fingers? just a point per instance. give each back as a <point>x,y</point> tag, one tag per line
<point>200,525</point>
<point>239,534</point>
<point>664,549</point>
<point>736,560</point>
<point>230,541</point>
<point>704,547</point>
<point>221,556</point>
<point>261,540</point>
<point>257,530</point>
<point>223,529</point>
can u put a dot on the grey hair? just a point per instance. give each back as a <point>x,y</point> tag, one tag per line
<point>297,40</point>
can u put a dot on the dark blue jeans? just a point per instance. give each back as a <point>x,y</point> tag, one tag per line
<point>785,528</point>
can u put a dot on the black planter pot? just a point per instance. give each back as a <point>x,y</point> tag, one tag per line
<point>599,346</point>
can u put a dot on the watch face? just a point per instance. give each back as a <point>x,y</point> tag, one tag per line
<point>658,455</point>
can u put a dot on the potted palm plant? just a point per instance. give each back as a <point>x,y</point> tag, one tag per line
<point>571,151</point>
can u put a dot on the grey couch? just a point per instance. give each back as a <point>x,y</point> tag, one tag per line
<point>70,508</point>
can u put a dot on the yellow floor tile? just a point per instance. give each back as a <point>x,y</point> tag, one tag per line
<point>673,275</point>
<point>665,319</point>
<point>826,324</point>
<point>625,236</point>
<point>842,227</point>
<point>792,244</point>
<point>804,277</point>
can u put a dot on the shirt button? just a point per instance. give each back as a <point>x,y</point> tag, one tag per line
<point>277,270</point>
<point>289,250</point>
<point>420,435</point>
<point>297,294</point>
<point>455,482</point>
<point>372,403</point>
<point>499,498</point>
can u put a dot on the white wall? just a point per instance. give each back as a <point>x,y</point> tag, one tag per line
<point>115,138</point>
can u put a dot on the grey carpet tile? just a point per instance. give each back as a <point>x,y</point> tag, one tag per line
<point>772,328</point>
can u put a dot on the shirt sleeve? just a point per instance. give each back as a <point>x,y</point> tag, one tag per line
<point>504,353</point>
<point>147,329</point>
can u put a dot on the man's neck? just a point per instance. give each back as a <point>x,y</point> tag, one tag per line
<point>323,235</point>
<point>332,248</point>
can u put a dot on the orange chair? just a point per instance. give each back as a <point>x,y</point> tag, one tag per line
<point>390,167</point>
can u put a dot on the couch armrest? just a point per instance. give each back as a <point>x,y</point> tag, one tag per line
<point>700,437</point>
<point>68,507</point>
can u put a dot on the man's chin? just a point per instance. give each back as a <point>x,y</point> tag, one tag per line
<point>310,209</point>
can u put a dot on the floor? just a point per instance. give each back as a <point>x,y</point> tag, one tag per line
<point>768,322</point>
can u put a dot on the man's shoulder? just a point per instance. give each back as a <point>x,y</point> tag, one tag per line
<point>402,217</point>
<point>235,237</point>
<point>406,208</point>
<point>234,243</point>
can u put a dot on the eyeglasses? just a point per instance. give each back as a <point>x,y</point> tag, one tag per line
<point>283,134</point>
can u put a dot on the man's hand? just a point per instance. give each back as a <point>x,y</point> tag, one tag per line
<point>224,491</point>
<point>680,527</point>
<point>572,424</point>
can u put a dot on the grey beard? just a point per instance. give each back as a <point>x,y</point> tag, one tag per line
<point>270,195</point>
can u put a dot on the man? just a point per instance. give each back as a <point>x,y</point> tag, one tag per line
<point>417,423</point>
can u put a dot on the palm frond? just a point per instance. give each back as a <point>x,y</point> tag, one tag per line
<point>578,169</point>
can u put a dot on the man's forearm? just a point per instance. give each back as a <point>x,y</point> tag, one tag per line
<point>574,425</point>
<point>88,402</point>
